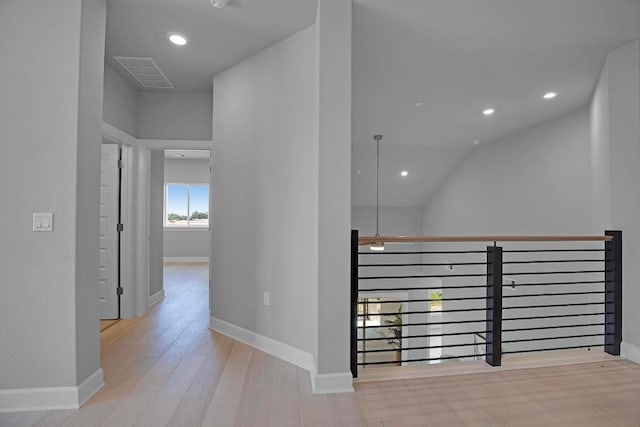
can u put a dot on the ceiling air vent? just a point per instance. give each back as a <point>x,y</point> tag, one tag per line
<point>145,71</point>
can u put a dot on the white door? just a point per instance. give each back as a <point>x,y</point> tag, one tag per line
<point>109,205</point>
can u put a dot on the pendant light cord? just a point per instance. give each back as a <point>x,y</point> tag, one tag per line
<point>377,139</point>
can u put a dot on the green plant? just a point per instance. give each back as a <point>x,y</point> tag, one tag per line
<point>436,300</point>
<point>396,328</point>
<point>199,215</point>
<point>175,217</point>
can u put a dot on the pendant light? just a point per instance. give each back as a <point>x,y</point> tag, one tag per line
<point>377,246</point>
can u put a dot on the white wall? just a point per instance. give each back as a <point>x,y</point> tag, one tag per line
<point>534,182</point>
<point>265,208</point>
<point>53,123</point>
<point>120,101</point>
<point>187,171</point>
<point>193,243</point>
<point>616,154</point>
<point>394,221</point>
<point>174,115</point>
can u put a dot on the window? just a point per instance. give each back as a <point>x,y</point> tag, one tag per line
<point>186,206</point>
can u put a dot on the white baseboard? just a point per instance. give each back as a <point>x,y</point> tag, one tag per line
<point>186,259</point>
<point>268,345</point>
<point>630,352</point>
<point>50,398</point>
<point>332,383</point>
<point>321,383</point>
<point>156,298</point>
<point>90,386</point>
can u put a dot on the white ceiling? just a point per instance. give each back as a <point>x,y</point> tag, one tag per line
<point>458,57</point>
<point>219,38</point>
<point>427,168</point>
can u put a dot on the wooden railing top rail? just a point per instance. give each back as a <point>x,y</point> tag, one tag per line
<point>368,240</point>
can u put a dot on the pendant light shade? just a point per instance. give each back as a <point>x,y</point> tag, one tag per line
<point>377,246</point>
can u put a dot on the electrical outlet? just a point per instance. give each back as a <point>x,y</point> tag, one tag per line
<point>266,299</point>
<point>43,221</point>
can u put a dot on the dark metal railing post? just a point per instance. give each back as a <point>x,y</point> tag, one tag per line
<point>494,306</point>
<point>354,303</point>
<point>613,292</point>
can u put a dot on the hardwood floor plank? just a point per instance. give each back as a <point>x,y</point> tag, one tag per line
<point>167,399</point>
<point>225,401</point>
<point>195,402</point>
<point>254,407</point>
<point>56,418</point>
<point>22,419</point>
<point>284,408</point>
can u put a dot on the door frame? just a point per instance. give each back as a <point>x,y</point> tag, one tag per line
<point>134,253</point>
<point>127,214</point>
<point>117,245</point>
<point>175,144</point>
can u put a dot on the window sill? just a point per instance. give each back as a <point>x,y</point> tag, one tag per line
<point>186,228</point>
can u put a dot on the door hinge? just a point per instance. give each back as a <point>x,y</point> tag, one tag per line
<point>119,227</point>
<point>120,164</point>
<point>119,290</point>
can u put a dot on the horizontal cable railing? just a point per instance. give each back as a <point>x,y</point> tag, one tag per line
<point>413,304</point>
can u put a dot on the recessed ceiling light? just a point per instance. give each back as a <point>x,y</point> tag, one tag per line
<point>178,39</point>
<point>549,95</point>
<point>219,3</point>
<point>404,173</point>
<point>488,111</point>
<point>475,141</point>
<point>359,172</point>
<point>419,104</point>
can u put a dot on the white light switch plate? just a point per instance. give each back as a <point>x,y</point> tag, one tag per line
<point>42,221</point>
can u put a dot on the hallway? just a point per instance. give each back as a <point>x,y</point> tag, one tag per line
<point>170,369</point>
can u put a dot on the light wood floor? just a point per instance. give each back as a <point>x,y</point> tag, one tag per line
<point>170,369</point>
<point>106,324</point>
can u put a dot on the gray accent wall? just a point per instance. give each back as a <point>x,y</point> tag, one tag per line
<point>334,191</point>
<point>615,114</point>
<point>156,235</point>
<point>50,125</point>
<point>281,193</point>
<point>174,115</point>
<point>265,206</point>
<point>120,101</point>
<point>155,115</point>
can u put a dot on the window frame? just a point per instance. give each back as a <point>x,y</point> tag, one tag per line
<point>188,226</point>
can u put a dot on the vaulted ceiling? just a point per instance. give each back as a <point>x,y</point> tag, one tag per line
<point>423,70</point>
